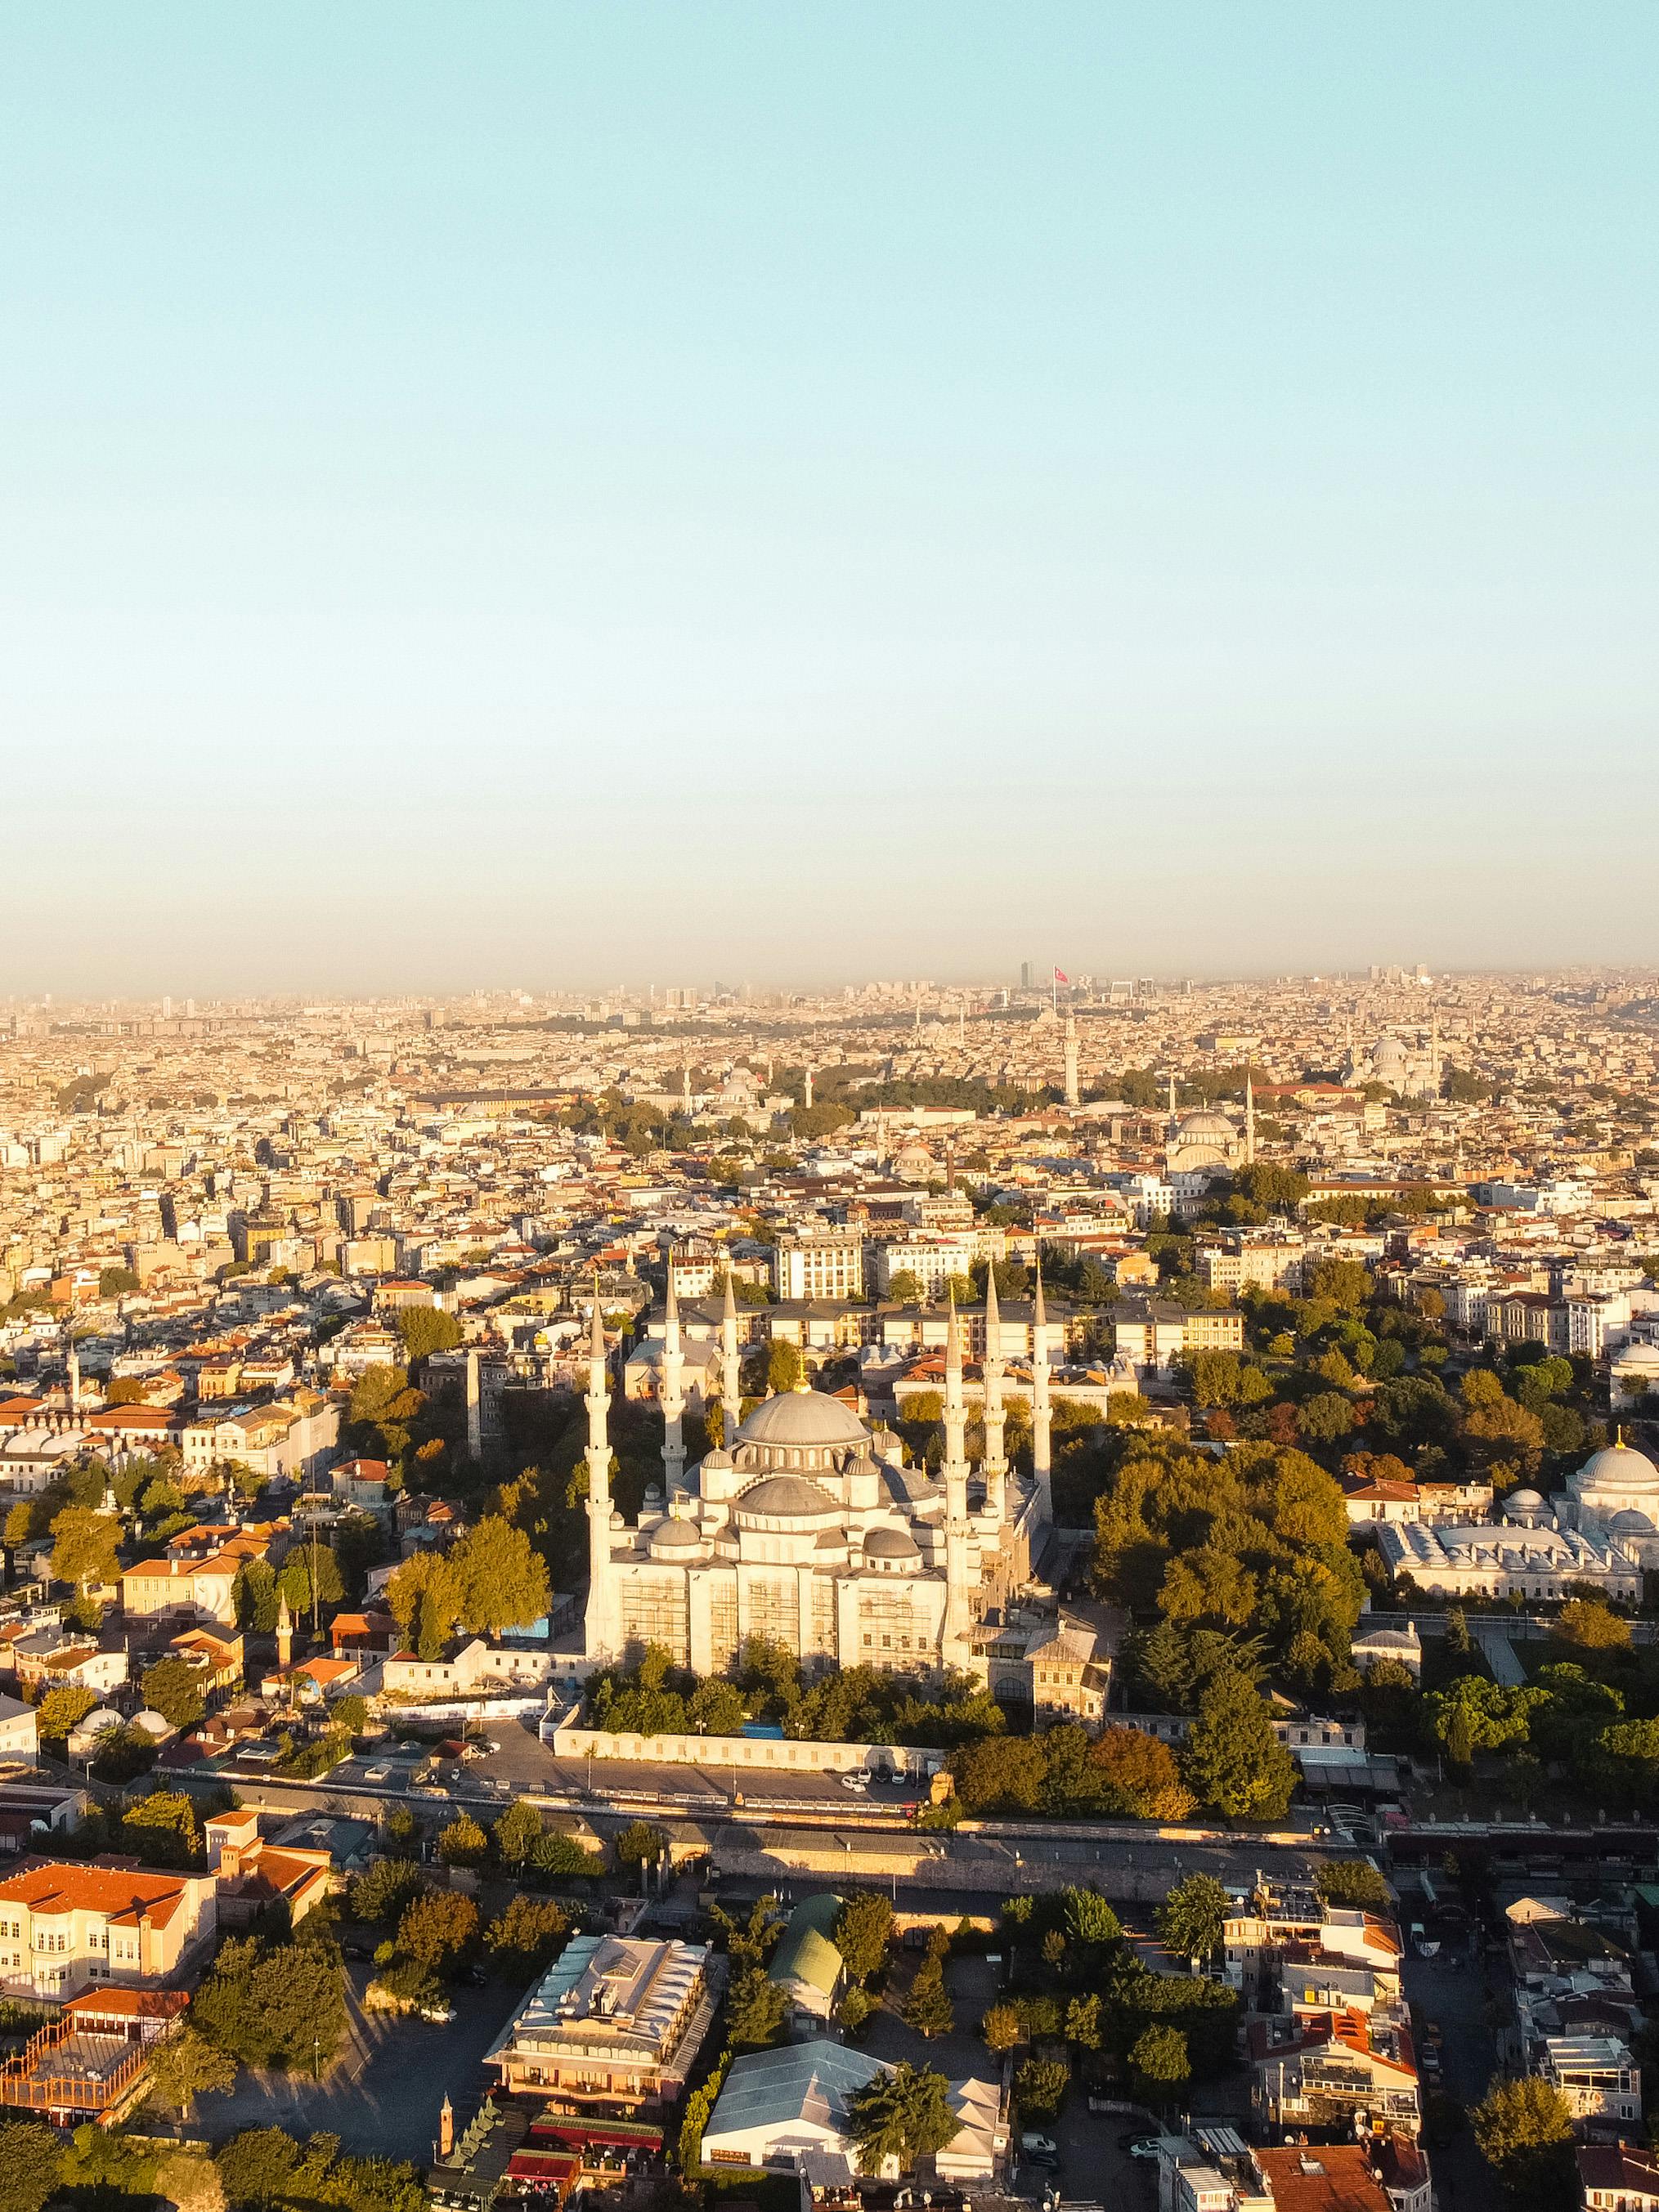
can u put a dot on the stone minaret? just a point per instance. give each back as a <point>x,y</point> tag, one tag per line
<point>1073,1096</point>
<point>1040,1413</point>
<point>809,1087</point>
<point>474,1409</point>
<point>73,1380</point>
<point>1250,1119</point>
<point>731,1363</point>
<point>604,1630</point>
<point>996,1456</point>
<point>673,1396</point>
<point>953,1635</point>
<point>284,1634</point>
<point>1172,1105</point>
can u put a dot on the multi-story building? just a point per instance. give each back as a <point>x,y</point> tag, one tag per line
<point>1155,1332</point>
<point>819,1263</point>
<point>1596,2075</point>
<point>65,1927</point>
<point>615,2024</point>
<point>933,1260</point>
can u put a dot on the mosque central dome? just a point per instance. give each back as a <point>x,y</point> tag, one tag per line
<point>803,1420</point>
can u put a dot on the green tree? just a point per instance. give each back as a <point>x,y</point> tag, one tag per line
<point>515,1834</point>
<point>265,2003</point>
<point>863,1929</point>
<point>1140,1776</point>
<point>427,1329</point>
<point>524,1936</point>
<point>999,1773</point>
<point>254,1596</point>
<point>1159,2056</point>
<point>755,2009</point>
<point>1592,1625</point>
<point>184,2066</point>
<point>84,1549</point>
<point>173,1688</point>
<point>437,1927</point>
<point>380,1894</point>
<point>160,1829</point>
<point>928,2009</point>
<point>904,1289</point>
<point>904,2113</point>
<point>1039,2086</point>
<point>255,2167</point>
<point>31,2162</point>
<point>1524,2132</point>
<point>62,1710</point>
<point>1233,1761</point>
<point>1083,2021</point>
<point>641,1843</point>
<point>462,1842</point>
<point>1354,1883</point>
<point>1089,1918</point>
<point>1191,1918</point>
<point>1001,2029</point>
<point>716,1707</point>
<point>503,1580</point>
<point>425,1597</point>
<point>1486,1714</point>
<point>783,1364</point>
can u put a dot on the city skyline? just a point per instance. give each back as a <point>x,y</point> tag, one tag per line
<point>794,492</point>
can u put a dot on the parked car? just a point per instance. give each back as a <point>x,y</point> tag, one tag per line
<point>1144,2147</point>
<point>858,1782</point>
<point>1039,2150</point>
<point>439,2016</point>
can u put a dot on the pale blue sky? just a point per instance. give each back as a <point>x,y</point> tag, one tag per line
<point>541,494</point>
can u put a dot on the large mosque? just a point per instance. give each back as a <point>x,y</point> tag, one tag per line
<point>810,1529</point>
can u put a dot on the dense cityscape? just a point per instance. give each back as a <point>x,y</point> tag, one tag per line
<point>991,1589</point>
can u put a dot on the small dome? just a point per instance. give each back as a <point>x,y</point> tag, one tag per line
<point>886,1543</point>
<point>786,1497</point>
<point>673,1535</point>
<point>1631,1522</point>
<point>1528,1500</point>
<point>805,1419</point>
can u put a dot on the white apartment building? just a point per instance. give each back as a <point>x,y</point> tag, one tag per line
<point>931,1259</point>
<point>1596,2075</point>
<point>821,1263</point>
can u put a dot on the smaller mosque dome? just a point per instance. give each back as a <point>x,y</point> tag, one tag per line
<point>785,1497</point>
<point>1631,1522</point>
<point>1522,1502</point>
<point>670,1537</point>
<point>892,1551</point>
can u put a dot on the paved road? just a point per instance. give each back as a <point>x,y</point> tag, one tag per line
<point>383,2093</point>
<point>1457,1997</point>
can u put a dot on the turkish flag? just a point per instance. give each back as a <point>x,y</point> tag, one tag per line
<point>1060,977</point>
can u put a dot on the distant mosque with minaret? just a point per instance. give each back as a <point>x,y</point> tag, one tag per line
<point>808,1528</point>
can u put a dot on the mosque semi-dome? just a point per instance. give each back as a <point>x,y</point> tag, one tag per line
<point>674,1535</point>
<point>785,1497</point>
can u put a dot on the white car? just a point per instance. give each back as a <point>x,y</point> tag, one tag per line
<point>860,1783</point>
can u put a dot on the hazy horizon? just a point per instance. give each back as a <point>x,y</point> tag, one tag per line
<point>557,497</point>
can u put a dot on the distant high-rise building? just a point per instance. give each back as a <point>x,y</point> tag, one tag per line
<point>1024,975</point>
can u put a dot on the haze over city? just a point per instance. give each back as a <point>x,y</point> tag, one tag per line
<point>829,1107</point>
<point>821,494</point>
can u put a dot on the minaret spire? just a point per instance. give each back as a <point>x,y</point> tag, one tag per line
<point>604,1630</point>
<point>730,1366</point>
<point>953,1633</point>
<point>1040,1412</point>
<point>1249,1118</point>
<point>673,1396</point>
<point>996,1456</point>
